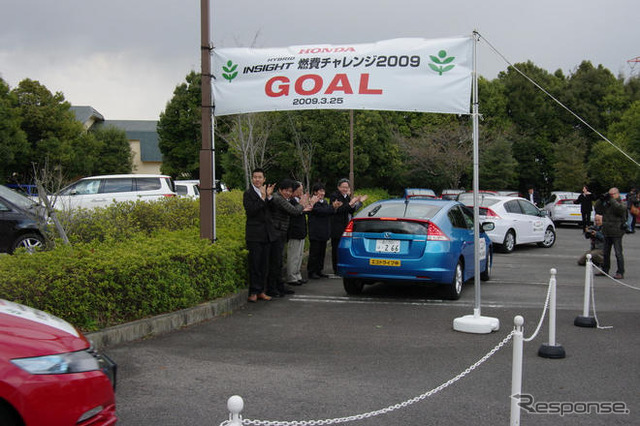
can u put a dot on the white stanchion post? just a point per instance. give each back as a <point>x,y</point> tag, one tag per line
<point>585,320</point>
<point>516,370</point>
<point>552,350</point>
<point>235,404</point>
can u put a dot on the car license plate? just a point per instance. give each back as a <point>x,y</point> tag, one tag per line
<point>388,246</point>
<point>384,262</point>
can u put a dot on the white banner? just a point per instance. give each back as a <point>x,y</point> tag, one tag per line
<point>408,74</point>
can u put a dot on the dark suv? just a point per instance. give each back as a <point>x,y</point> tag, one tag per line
<point>21,221</point>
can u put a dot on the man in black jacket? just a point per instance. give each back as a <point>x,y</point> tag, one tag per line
<point>614,218</point>
<point>281,211</point>
<point>319,231</point>
<point>343,215</point>
<point>585,199</point>
<point>259,233</point>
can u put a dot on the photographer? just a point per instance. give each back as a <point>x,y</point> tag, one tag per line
<point>614,224</point>
<point>594,233</point>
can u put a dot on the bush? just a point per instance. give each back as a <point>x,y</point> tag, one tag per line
<point>130,261</point>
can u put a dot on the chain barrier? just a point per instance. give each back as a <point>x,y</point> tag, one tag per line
<point>593,296</point>
<point>385,410</point>
<point>614,279</point>
<point>544,314</point>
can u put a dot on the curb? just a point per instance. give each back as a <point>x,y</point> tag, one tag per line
<point>165,323</point>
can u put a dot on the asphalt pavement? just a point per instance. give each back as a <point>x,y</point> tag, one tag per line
<point>320,354</point>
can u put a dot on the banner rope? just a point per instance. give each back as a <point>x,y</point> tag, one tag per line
<point>556,100</point>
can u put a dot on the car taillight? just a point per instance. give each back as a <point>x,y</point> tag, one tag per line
<point>491,214</point>
<point>348,231</point>
<point>168,195</point>
<point>435,234</point>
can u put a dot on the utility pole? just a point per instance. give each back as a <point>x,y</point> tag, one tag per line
<point>207,152</point>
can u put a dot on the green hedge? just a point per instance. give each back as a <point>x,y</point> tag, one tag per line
<point>134,260</point>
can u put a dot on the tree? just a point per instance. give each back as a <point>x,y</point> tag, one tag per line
<point>52,131</point>
<point>114,151</point>
<point>497,165</point>
<point>438,158</point>
<point>14,149</point>
<point>570,173</point>
<point>179,130</point>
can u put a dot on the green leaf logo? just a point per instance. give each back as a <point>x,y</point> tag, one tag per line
<point>230,71</point>
<point>440,62</point>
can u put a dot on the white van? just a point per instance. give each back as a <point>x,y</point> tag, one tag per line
<point>100,191</point>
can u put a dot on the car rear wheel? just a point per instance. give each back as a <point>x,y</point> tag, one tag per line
<point>454,290</point>
<point>549,238</point>
<point>32,242</point>
<point>486,274</point>
<point>352,286</point>
<point>509,242</point>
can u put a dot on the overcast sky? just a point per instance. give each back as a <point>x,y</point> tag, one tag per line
<point>125,57</point>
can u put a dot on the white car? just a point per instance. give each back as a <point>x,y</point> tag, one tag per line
<point>517,221</point>
<point>101,191</point>
<point>187,188</point>
<point>564,210</point>
<point>191,188</point>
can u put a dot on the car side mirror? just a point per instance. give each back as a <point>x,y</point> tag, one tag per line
<point>544,213</point>
<point>488,226</point>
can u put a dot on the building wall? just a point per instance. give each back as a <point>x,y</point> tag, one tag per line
<point>140,167</point>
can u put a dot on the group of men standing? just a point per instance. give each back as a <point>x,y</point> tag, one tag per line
<point>278,218</point>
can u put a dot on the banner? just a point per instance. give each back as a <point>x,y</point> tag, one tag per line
<point>408,74</point>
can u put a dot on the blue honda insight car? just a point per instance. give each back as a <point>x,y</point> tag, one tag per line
<point>412,240</point>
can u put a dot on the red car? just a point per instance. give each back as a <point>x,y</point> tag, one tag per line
<point>49,373</point>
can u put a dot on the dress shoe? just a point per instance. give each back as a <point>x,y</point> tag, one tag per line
<point>618,276</point>
<point>600,274</point>
<point>287,291</point>
<point>253,298</point>
<point>274,294</point>
<point>263,296</point>
<point>303,281</point>
<point>323,275</point>
<point>294,283</point>
<point>314,276</point>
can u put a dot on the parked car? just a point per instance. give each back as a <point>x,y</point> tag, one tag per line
<point>564,210</point>
<point>420,193</point>
<point>49,373</point>
<point>412,240</point>
<point>560,195</point>
<point>450,194</point>
<point>100,191</point>
<point>191,188</point>
<point>517,221</point>
<point>466,198</point>
<point>187,188</point>
<point>22,222</point>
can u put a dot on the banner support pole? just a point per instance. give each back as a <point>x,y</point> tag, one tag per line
<point>476,323</point>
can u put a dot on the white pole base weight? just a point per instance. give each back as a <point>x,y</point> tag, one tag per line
<point>476,324</point>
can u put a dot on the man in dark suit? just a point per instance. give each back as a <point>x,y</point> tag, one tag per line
<point>342,216</point>
<point>259,233</point>
<point>533,196</point>
<point>319,231</point>
<point>281,211</point>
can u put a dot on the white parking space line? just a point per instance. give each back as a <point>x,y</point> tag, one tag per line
<point>419,302</point>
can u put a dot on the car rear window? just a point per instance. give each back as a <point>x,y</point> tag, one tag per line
<point>566,201</point>
<point>394,226</point>
<point>148,184</point>
<point>411,210</point>
<point>181,189</point>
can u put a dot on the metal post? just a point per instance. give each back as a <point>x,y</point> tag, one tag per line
<point>552,350</point>
<point>516,370</point>
<point>235,404</point>
<point>351,171</point>
<point>476,323</point>
<point>585,320</point>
